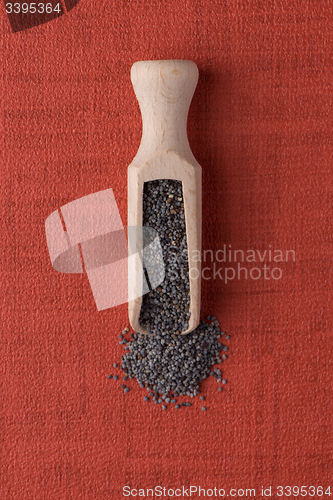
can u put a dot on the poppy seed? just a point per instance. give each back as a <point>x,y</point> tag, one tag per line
<point>166,362</point>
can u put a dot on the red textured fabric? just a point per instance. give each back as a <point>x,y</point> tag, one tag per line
<point>261,126</point>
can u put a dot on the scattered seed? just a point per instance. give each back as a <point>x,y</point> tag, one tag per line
<point>115,377</point>
<point>115,365</point>
<point>169,364</point>
<point>126,390</point>
<point>203,408</point>
<point>145,398</point>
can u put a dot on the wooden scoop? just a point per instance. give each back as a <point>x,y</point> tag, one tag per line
<point>164,90</point>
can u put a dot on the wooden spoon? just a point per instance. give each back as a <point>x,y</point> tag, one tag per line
<point>164,90</point>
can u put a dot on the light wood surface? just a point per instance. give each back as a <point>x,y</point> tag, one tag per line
<point>164,90</point>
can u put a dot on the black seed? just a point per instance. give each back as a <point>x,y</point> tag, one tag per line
<point>169,364</point>
<point>162,211</point>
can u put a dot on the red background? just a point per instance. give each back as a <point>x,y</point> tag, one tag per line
<point>260,125</point>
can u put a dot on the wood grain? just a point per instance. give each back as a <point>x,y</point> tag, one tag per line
<point>164,90</point>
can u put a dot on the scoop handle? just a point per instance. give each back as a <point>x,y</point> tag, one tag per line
<point>164,90</point>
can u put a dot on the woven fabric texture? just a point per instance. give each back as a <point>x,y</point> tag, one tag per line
<point>260,124</point>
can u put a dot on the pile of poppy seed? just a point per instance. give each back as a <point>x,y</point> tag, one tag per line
<point>166,308</point>
<point>167,364</point>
